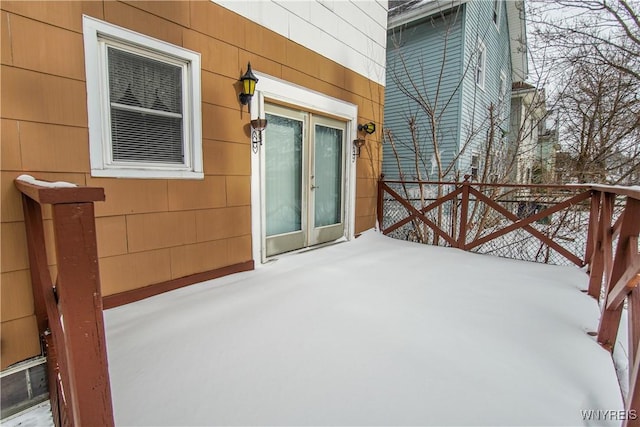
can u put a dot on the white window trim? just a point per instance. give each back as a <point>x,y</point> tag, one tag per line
<point>497,10</point>
<point>476,167</point>
<point>502,98</point>
<point>98,112</point>
<point>481,65</point>
<point>275,89</point>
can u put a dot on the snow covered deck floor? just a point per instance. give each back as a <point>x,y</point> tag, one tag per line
<point>370,332</point>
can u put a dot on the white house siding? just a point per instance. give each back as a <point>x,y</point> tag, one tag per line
<point>518,36</point>
<point>351,33</point>
<point>474,121</point>
<point>527,111</point>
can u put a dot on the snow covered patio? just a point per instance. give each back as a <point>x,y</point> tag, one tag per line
<point>370,332</point>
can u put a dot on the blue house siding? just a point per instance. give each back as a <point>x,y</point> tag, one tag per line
<point>443,56</point>
<point>430,52</point>
<point>474,115</point>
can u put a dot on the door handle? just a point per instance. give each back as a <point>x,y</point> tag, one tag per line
<point>313,187</point>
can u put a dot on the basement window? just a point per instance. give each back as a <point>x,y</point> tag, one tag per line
<point>143,98</point>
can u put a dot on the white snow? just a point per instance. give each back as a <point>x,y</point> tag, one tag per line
<point>36,416</point>
<point>57,184</point>
<point>371,332</point>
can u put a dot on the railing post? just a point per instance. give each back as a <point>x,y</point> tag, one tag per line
<point>380,207</point>
<point>592,232</point>
<point>633,397</point>
<point>69,315</point>
<point>602,246</point>
<point>630,227</point>
<point>464,212</point>
<point>79,296</point>
<point>40,276</point>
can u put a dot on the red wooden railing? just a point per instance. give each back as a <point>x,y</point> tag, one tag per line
<point>458,231</point>
<point>611,250</point>
<point>619,263</point>
<point>69,313</point>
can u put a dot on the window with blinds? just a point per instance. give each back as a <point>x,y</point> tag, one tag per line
<point>143,99</point>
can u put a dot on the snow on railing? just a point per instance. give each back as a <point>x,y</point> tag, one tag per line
<point>69,311</point>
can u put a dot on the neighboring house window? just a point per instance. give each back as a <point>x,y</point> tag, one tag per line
<point>144,105</point>
<point>496,12</point>
<point>481,65</point>
<point>475,163</point>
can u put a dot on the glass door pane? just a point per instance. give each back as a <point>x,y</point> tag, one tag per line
<point>328,176</point>
<point>326,203</point>
<point>283,175</point>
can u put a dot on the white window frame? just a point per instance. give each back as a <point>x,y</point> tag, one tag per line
<point>475,175</point>
<point>481,65</point>
<point>97,36</point>
<point>502,98</point>
<point>496,13</point>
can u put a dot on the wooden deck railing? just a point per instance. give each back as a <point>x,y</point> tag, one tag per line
<point>610,223</point>
<point>471,204</point>
<point>69,312</point>
<point>613,253</point>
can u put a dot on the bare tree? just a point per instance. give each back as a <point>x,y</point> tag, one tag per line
<point>602,123</point>
<point>424,146</point>
<point>596,46</point>
<point>610,27</point>
<point>428,137</point>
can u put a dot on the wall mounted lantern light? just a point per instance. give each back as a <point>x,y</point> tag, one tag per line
<point>257,127</point>
<point>369,128</point>
<point>248,81</point>
<point>357,145</point>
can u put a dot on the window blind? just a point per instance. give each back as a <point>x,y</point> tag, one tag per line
<point>145,97</point>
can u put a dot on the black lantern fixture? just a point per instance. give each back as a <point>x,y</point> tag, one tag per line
<point>369,128</point>
<point>249,81</point>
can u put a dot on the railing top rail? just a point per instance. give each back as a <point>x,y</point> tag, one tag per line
<point>633,191</point>
<point>57,195</point>
<point>486,184</point>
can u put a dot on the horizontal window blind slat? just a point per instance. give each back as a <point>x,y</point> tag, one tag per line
<point>145,110</point>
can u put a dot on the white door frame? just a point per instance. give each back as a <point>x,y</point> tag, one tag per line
<point>272,88</point>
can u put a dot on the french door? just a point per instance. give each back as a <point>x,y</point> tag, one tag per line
<point>304,157</point>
